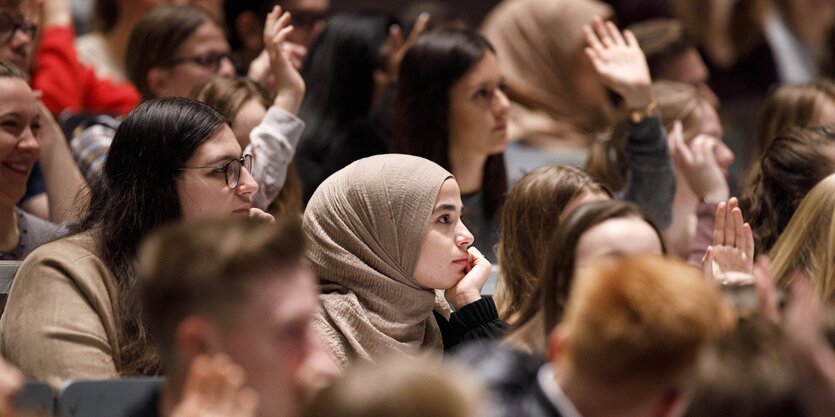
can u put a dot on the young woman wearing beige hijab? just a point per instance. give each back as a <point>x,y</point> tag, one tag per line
<point>385,233</point>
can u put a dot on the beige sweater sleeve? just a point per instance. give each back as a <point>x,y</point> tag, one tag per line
<point>58,323</point>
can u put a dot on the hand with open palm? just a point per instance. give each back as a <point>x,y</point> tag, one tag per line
<point>732,253</point>
<point>620,63</point>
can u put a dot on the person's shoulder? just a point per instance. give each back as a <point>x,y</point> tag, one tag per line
<point>74,256</point>
<point>499,365</point>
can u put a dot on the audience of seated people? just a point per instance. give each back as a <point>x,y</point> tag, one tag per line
<point>137,165</point>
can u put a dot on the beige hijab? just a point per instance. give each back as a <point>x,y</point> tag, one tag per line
<point>539,42</point>
<point>365,226</point>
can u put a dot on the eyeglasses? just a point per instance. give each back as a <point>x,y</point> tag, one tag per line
<point>232,169</point>
<point>209,61</point>
<point>11,22</point>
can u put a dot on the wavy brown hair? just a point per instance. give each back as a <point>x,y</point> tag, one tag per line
<point>791,165</point>
<point>789,106</point>
<point>532,211</point>
<point>556,269</point>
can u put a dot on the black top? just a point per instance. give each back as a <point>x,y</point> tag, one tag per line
<point>511,379</point>
<point>478,320</point>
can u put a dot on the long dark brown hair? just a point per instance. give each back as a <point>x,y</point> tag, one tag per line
<point>421,126</point>
<point>135,194</point>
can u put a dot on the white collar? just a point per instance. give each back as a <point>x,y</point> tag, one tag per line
<point>554,393</point>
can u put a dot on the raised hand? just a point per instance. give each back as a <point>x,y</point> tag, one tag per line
<point>289,84</point>
<point>731,255</point>
<point>54,12</point>
<point>697,162</point>
<point>468,289</point>
<point>400,46</point>
<point>620,63</point>
<point>215,388</point>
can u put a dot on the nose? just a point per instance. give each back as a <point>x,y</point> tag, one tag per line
<point>226,68</point>
<point>501,105</point>
<point>247,186</point>
<point>20,38</point>
<point>28,143</point>
<point>463,237</point>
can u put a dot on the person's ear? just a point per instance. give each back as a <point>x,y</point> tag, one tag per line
<point>196,336</point>
<point>158,82</point>
<point>250,30</point>
<point>556,343</point>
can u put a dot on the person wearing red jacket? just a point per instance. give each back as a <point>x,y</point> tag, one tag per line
<point>65,83</point>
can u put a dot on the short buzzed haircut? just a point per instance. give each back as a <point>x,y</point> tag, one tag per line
<point>206,268</point>
<point>638,320</point>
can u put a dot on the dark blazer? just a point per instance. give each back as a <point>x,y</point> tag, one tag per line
<point>510,377</point>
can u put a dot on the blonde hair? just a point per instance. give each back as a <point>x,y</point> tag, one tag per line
<point>639,319</point>
<point>400,387</point>
<point>676,101</point>
<point>790,106</point>
<point>808,243</point>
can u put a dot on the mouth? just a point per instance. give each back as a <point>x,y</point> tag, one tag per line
<point>242,210</point>
<point>463,261</point>
<point>21,168</point>
<point>500,127</point>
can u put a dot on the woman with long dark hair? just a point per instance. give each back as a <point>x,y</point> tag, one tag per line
<point>346,72</point>
<point>451,109</point>
<point>171,159</point>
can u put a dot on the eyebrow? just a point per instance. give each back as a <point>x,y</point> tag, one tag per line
<point>446,207</point>
<point>220,160</point>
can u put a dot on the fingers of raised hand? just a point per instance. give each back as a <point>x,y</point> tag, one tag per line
<point>631,40</point>
<point>602,32</point>
<point>614,33</point>
<point>421,23</point>
<point>719,224</point>
<point>592,38</point>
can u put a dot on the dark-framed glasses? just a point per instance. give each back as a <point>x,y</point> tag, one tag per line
<point>11,22</point>
<point>231,169</point>
<point>209,61</point>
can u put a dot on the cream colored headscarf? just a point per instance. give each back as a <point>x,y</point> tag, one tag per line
<point>365,225</point>
<point>538,42</point>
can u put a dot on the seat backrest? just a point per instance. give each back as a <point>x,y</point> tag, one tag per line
<point>36,396</point>
<point>8,269</point>
<point>104,398</point>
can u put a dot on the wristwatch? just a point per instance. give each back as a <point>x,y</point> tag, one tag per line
<point>639,115</point>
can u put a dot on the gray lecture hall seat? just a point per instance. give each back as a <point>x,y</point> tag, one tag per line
<point>104,398</point>
<point>36,396</point>
<point>7,271</point>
